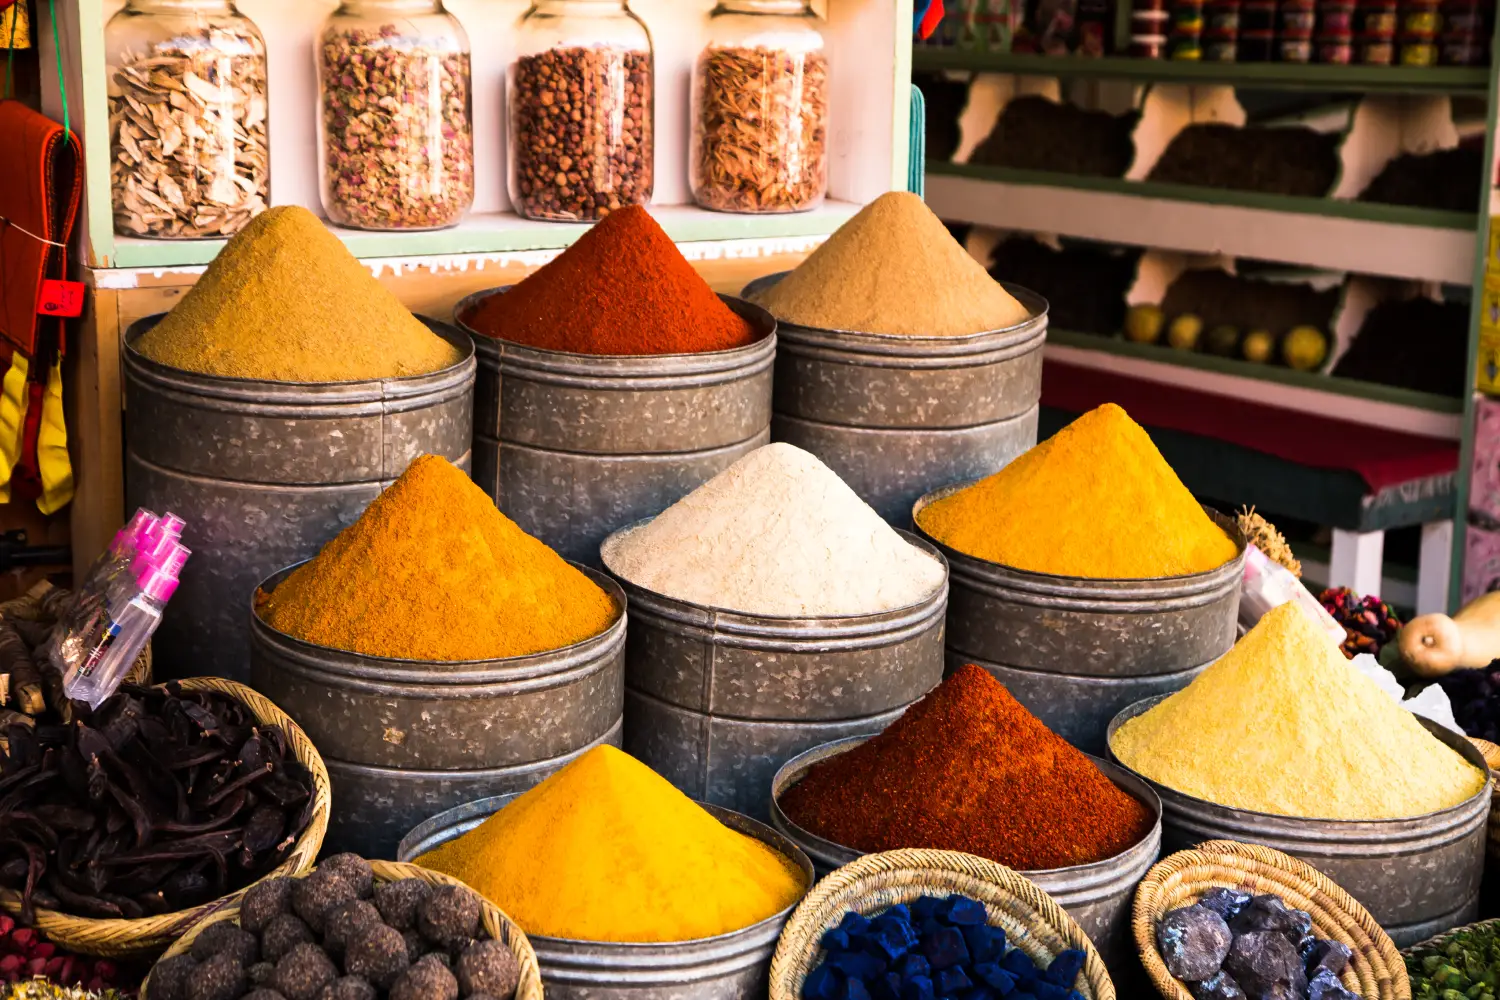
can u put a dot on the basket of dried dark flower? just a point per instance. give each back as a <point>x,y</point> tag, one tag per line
<point>124,826</point>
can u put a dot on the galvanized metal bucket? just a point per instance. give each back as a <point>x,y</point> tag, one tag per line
<point>404,736</point>
<point>1418,876</point>
<point>732,966</point>
<point>896,416</point>
<point>717,701</point>
<point>1099,895</point>
<point>578,445</point>
<point>265,473</point>
<point>1075,651</point>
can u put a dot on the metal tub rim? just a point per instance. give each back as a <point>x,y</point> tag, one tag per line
<point>1348,832</point>
<point>1087,593</point>
<point>633,372</point>
<point>637,960</point>
<point>544,666</point>
<point>1019,338</point>
<point>785,631</point>
<point>1092,875</point>
<point>341,393</point>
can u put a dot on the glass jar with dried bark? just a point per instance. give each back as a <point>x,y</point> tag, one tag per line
<point>759,141</point>
<point>186,81</point>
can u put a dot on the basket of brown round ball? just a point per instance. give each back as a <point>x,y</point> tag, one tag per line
<point>352,930</point>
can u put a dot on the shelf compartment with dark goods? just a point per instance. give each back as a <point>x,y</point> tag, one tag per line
<point>407,738</point>
<point>628,435</point>
<point>732,966</point>
<point>266,472</point>
<point>1098,896</point>
<point>1418,876</point>
<point>1075,651</point>
<point>896,416</point>
<point>717,701</point>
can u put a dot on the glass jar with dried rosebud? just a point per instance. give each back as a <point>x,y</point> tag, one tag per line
<point>759,140</point>
<point>186,82</point>
<point>395,142</point>
<point>580,99</point>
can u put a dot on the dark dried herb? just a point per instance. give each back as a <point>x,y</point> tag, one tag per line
<point>159,800</point>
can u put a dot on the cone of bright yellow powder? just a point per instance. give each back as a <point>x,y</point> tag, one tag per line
<point>608,850</point>
<point>1096,500</point>
<point>1283,724</point>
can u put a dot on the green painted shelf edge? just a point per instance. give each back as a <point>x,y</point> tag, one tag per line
<point>1266,373</point>
<point>1400,215</point>
<point>1271,76</point>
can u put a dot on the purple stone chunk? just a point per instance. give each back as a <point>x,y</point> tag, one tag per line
<point>1266,966</point>
<point>1193,941</point>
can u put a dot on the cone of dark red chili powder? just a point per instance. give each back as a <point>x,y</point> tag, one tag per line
<point>968,769</point>
<point>623,288</point>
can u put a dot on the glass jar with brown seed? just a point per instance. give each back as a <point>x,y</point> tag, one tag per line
<point>396,146</point>
<point>759,141</point>
<point>580,99</point>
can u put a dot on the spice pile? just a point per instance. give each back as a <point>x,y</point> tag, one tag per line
<point>776,533</point>
<point>286,301</point>
<point>1465,964</point>
<point>1384,351</point>
<point>433,571</point>
<point>1283,724</point>
<point>338,935</point>
<point>580,132</point>
<point>969,769</point>
<point>1444,179</point>
<point>1036,133</point>
<point>1293,160</point>
<point>188,132</point>
<point>1369,623</point>
<point>25,955</point>
<point>404,160</point>
<point>1231,945</point>
<point>1084,283</point>
<point>160,800</point>
<point>933,948</point>
<point>760,129</point>
<point>893,268</point>
<point>624,288</point>
<point>1095,500</point>
<point>608,850</point>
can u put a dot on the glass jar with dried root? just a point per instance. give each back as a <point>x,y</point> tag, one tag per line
<point>186,81</point>
<point>395,142</point>
<point>580,100</point>
<point>759,141</point>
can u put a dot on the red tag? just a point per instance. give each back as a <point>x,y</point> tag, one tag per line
<point>63,299</point>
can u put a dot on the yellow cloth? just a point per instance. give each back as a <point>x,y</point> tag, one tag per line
<point>13,404</point>
<point>52,448</point>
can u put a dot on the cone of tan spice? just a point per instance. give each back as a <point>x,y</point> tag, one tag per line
<point>285,301</point>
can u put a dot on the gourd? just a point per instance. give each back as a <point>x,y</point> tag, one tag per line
<point>1434,645</point>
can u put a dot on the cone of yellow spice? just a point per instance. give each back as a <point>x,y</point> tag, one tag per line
<point>1096,500</point>
<point>1283,724</point>
<point>433,571</point>
<point>608,850</point>
<point>285,301</point>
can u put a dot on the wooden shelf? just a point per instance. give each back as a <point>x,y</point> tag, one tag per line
<point>1385,240</point>
<point>1309,392</point>
<point>1266,76</point>
<point>504,232</point>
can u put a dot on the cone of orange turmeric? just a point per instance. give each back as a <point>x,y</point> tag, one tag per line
<point>1096,500</point>
<point>433,571</point>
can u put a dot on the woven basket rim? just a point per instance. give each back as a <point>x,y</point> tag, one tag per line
<point>1437,940</point>
<point>1210,861</point>
<point>865,875</point>
<point>529,988</point>
<point>116,937</point>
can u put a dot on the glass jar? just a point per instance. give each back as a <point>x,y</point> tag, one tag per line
<point>759,140</point>
<point>580,100</point>
<point>395,143</point>
<point>186,82</point>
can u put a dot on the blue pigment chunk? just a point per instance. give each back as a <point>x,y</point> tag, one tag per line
<point>924,907</point>
<point>1016,963</point>
<point>985,943</point>
<point>913,964</point>
<point>888,987</point>
<point>1064,969</point>
<point>854,989</point>
<point>946,948</point>
<point>854,923</point>
<point>952,981</point>
<point>857,964</point>
<point>996,978</point>
<point>835,939</point>
<point>918,988</point>
<point>821,984</point>
<point>900,912</point>
<point>964,911</point>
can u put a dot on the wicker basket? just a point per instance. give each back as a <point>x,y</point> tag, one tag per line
<point>148,935</point>
<point>1032,921</point>
<point>496,924</point>
<point>1375,972</point>
<point>1491,754</point>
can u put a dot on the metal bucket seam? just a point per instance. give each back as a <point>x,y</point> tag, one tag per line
<point>794,345</point>
<point>704,378</point>
<point>1101,679</point>
<point>711,717</point>
<point>605,456</point>
<point>807,641</point>
<point>871,429</point>
<point>479,773</point>
<point>462,461</point>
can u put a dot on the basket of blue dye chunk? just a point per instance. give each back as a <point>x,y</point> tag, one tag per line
<point>929,925</point>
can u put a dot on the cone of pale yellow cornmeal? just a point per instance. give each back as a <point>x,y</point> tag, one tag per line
<point>1283,724</point>
<point>285,301</point>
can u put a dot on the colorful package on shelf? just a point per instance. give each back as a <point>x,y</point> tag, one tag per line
<point>1481,562</point>
<point>1484,474</point>
<point>1487,369</point>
